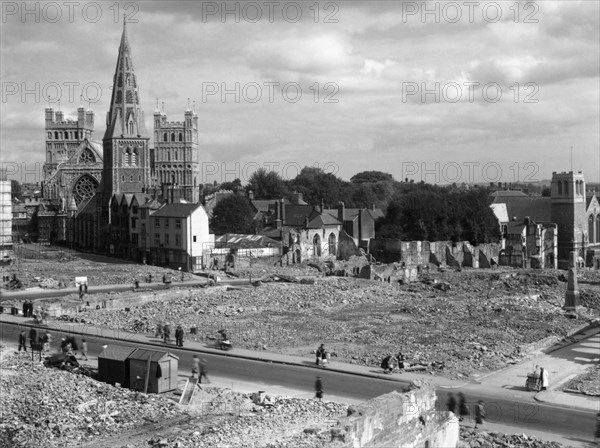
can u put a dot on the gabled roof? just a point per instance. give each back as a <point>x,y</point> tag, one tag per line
<point>500,212</point>
<point>151,203</point>
<point>116,352</point>
<point>178,210</point>
<point>94,147</point>
<point>350,214</point>
<point>591,202</point>
<point>237,240</point>
<point>295,215</point>
<point>537,208</point>
<point>142,354</point>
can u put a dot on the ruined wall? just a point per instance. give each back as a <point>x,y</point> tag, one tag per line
<point>440,253</point>
<point>398,420</point>
<point>347,247</point>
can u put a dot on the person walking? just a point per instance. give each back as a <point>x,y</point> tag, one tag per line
<point>400,358</point>
<point>84,349</point>
<point>166,333</point>
<point>544,378</point>
<point>479,414</point>
<point>179,336</point>
<point>319,388</point>
<point>32,337</point>
<point>319,353</point>
<point>451,404</point>
<point>203,371</point>
<point>30,309</point>
<point>25,308</point>
<point>195,366</point>
<point>23,340</point>
<point>463,410</point>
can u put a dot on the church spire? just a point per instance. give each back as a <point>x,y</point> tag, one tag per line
<point>125,117</point>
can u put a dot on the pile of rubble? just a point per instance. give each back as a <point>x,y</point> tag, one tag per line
<point>50,283</point>
<point>55,408</point>
<point>586,383</point>
<point>477,322</point>
<point>471,438</point>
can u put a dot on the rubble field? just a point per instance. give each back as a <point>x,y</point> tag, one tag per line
<point>61,273</point>
<point>587,383</point>
<point>454,324</point>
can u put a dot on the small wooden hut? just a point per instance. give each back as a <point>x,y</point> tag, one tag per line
<point>158,368</point>
<point>113,364</point>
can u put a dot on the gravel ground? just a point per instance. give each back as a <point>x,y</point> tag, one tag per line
<point>587,383</point>
<point>455,324</point>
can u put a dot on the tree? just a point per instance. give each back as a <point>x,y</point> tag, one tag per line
<point>233,214</point>
<point>316,185</point>
<point>267,185</point>
<point>371,176</point>
<point>233,186</point>
<point>15,190</point>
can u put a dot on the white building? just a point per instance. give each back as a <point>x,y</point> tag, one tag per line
<point>5,214</point>
<point>179,236</point>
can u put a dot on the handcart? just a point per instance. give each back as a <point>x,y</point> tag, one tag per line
<point>533,381</point>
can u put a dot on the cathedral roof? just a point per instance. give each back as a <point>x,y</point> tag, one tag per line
<point>125,116</point>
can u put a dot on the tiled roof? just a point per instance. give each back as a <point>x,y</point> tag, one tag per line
<point>508,193</point>
<point>116,352</point>
<point>176,210</point>
<point>537,208</point>
<point>143,354</point>
<point>236,240</point>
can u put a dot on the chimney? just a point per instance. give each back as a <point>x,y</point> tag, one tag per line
<point>341,212</point>
<point>526,220</point>
<point>499,184</point>
<point>360,236</point>
<point>250,195</point>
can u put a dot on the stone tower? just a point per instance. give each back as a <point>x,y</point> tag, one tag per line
<point>176,153</point>
<point>568,209</point>
<point>126,154</point>
<point>63,136</point>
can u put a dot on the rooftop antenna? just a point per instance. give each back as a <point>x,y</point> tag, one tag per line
<point>571,157</point>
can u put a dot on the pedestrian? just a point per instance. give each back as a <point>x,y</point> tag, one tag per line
<point>451,404</point>
<point>47,340</point>
<point>319,388</point>
<point>203,371</point>
<point>385,364</point>
<point>23,340</point>
<point>544,378</point>
<point>25,308</point>
<point>32,337</point>
<point>319,353</point>
<point>179,336</point>
<point>30,309</point>
<point>159,330</point>
<point>479,414</point>
<point>195,366</point>
<point>166,333</point>
<point>85,288</point>
<point>400,358</point>
<point>463,410</point>
<point>84,349</point>
<point>63,344</point>
<point>149,278</point>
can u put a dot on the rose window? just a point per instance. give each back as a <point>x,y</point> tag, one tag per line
<point>84,189</point>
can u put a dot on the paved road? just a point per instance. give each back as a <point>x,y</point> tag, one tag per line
<point>506,410</point>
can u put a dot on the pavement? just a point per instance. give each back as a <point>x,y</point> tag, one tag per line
<point>562,363</point>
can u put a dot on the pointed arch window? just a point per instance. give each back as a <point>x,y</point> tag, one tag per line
<point>172,136</point>
<point>165,137</point>
<point>566,188</point>
<point>559,184</point>
<point>130,127</point>
<point>180,136</point>
<point>127,157</point>
<point>55,135</point>
<point>134,157</point>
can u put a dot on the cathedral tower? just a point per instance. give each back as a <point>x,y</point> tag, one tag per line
<point>176,153</point>
<point>568,210</point>
<point>126,154</point>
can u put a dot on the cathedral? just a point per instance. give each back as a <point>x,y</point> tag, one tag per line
<point>82,176</point>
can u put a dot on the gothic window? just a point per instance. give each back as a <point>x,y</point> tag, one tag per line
<point>172,136</point>
<point>559,184</point>
<point>165,137</point>
<point>84,188</point>
<point>134,157</point>
<point>56,135</point>
<point>130,127</point>
<point>317,245</point>
<point>127,157</point>
<point>120,80</point>
<point>176,155</point>
<point>49,135</point>
<point>87,156</point>
<point>119,99</point>
<point>180,137</point>
<point>591,229</point>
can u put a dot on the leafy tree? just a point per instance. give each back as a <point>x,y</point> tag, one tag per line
<point>16,190</point>
<point>267,185</point>
<point>233,186</point>
<point>316,185</point>
<point>233,214</point>
<point>371,176</point>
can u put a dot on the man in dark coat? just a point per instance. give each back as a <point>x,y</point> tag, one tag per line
<point>463,410</point>
<point>25,308</point>
<point>30,309</point>
<point>319,388</point>
<point>451,404</point>
<point>179,336</point>
<point>23,340</point>
<point>32,337</point>
<point>166,333</point>
<point>319,353</point>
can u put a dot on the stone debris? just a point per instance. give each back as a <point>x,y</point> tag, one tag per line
<point>451,324</point>
<point>471,438</point>
<point>586,383</point>
<point>47,407</point>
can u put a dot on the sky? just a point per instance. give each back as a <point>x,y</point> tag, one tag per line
<point>436,91</point>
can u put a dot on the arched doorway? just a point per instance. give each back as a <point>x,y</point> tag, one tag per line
<point>317,245</point>
<point>332,244</point>
<point>297,256</point>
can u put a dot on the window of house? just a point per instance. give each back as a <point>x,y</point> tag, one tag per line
<point>133,222</point>
<point>178,223</point>
<point>134,209</point>
<point>194,238</point>
<point>156,223</point>
<point>177,240</point>
<point>157,239</point>
<point>135,238</point>
<point>166,239</point>
<point>166,223</point>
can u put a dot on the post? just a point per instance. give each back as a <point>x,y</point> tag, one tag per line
<point>147,374</point>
